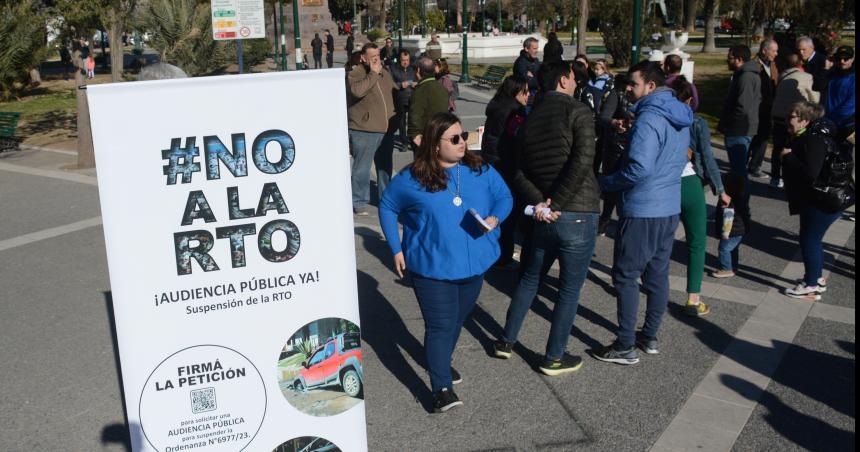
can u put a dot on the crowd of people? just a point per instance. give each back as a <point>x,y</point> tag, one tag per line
<point>567,143</point>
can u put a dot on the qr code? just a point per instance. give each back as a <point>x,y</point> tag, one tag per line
<point>203,400</point>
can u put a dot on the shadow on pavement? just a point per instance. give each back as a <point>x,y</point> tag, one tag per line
<point>116,433</point>
<point>806,431</point>
<point>819,376</point>
<point>384,330</point>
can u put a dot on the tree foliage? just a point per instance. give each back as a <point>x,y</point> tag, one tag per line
<point>182,35</point>
<point>342,9</point>
<point>22,45</point>
<point>616,27</point>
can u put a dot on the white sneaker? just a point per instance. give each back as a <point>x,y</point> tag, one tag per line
<point>777,183</point>
<point>822,284</point>
<point>804,292</point>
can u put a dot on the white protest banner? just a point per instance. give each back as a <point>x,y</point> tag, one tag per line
<point>238,19</point>
<point>228,227</point>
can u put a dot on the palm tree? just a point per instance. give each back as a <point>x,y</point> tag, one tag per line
<point>182,34</point>
<point>22,46</point>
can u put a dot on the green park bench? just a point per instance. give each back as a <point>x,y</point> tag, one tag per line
<point>596,50</point>
<point>492,77</point>
<point>8,124</point>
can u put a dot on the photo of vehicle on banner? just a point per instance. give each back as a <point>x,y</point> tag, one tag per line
<point>320,370</point>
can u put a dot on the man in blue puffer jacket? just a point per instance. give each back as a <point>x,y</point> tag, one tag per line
<point>649,181</point>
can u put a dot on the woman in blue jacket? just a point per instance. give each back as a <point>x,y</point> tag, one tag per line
<point>445,249</point>
<point>701,169</point>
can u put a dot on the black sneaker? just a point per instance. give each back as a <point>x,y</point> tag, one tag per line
<point>455,376</point>
<point>615,353</point>
<point>647,344</point>
<point>502,349</point>
<point>444,400</point>
<point>567,363</point>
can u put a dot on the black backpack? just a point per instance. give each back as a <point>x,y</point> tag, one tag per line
<point>834,188</point>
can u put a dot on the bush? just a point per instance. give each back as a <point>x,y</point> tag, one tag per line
<point>375,34</point>
<point>254,51</point>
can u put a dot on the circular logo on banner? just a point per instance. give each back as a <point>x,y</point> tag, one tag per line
<point>203,396</point>
<point>307,444</point>
<point>245,31</point>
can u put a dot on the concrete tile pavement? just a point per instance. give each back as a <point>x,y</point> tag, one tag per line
<point>508,405</point>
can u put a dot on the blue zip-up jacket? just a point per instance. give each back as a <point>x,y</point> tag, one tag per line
<point>649,177</point>
<point>441,240</point>
<point>839,102</point>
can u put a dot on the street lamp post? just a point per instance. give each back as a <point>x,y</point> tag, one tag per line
<point>283,39</point>
<point>499,15</point>
<point>637,30</point>
<point>483,17</point>
<point>298,35</point>
<point>573,22</point>
<point>448,17</point>
<point>423,10</point>
<point>354,12</point>
<point>465,70</point>
<point>400,26</point>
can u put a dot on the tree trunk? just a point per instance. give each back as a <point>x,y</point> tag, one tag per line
<point>86,156</point>
<point>710,10</point>
<point>582,27</point>
<point>115,29</point>
<point>459,14</point>
<point>380,15</point>
<point>690,15</point>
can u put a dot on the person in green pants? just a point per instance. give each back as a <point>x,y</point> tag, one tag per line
<point>700,170</point>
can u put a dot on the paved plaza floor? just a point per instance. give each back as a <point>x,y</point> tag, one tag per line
<point>761,372</point>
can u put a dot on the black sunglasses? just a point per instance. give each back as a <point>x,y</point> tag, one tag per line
<point>456,138</point>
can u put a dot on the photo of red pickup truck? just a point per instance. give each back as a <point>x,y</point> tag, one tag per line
<point>337,363</point>
<point>320,369</point>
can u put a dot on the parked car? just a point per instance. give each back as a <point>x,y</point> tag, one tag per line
<point>335,363</point>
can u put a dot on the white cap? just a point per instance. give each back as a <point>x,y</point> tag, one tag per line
<point>656,55</point>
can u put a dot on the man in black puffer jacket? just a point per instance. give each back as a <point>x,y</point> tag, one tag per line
<point>554,170</point>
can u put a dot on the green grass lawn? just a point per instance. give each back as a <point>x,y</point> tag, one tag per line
<point>45,113</point>
<point>38,103</point>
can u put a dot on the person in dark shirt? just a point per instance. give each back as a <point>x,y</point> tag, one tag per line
<point>316,49</point>
<point>329,52</point>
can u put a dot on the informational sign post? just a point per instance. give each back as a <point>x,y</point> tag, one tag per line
<point>238,19</point>
<point>229,237</point>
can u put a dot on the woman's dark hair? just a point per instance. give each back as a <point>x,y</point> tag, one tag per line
<point>426,168</point>
<point>590,71</point>
<point>511,86</point>
<point>683,89</point>
<point>552,36</point>
<point>580,73</point>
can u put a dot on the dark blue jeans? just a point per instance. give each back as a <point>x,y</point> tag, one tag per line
<point>813,225</point>
<point>738,148</point>
<point>642,249</point>
<point>444,306</point>
<point>572,239</point>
